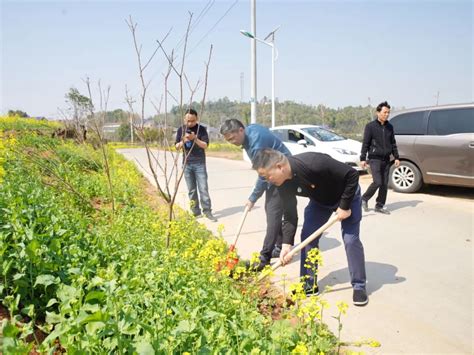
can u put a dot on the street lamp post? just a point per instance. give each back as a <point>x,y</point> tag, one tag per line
<point>253,63</point>
<point>272,45</point>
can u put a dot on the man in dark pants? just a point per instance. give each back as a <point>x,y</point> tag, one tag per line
<point>254,138</point>
<point>331,186</point>
<point>379,143</point>
<point>193,139</point>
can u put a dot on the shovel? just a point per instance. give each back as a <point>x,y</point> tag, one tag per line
<point>232,260</point>
<point>333,219</point>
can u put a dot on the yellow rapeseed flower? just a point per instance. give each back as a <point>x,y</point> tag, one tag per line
<point>267,271</point>
<point>297,291</point>
<point>313,258</point>
<point>374,343</point>
<point>324,304</point>
<point>370,342</point>
<point>310,311</point>
<point>342,306</point>
<point>254,258</point>
<point>300,349</point>
<point>239,271</point>
<point>220,228</point>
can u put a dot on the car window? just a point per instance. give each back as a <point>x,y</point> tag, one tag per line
<point>294,136</point>
<point>308,140</point>
<point>452,121</point>
<point>409,123</point>
<point>322,134</point>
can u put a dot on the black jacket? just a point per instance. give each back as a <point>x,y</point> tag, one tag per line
<point>322,179</point>
<point>379,141</point>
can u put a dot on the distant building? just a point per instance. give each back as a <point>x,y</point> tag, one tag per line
<point>214,134</point>
<point>150,123</point>
<point>110,131</point>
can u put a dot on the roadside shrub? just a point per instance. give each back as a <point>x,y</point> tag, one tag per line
<point>98,283</point>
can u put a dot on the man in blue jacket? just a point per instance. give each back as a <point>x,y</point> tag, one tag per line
<point>254,138</point>
<point>379,143</point>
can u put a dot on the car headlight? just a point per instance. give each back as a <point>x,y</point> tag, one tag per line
<point>344,151</point>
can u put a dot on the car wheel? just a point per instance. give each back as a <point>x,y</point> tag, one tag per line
<point>406,178</point>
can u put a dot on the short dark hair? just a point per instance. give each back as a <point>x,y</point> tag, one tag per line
<point>382,104</point>
<point>267,158</point>
<point>230,126</point>
<point>191,111</point>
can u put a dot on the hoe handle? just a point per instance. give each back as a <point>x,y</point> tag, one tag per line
<point>246,211</point>
<point>333,219</point>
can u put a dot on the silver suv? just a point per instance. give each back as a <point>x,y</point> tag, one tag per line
<point>436,146</point>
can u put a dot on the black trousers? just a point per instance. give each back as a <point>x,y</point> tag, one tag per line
<point>380,170</point>
<point>274,212</point>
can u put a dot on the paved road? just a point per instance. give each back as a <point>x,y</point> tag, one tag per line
<point>419,261</point>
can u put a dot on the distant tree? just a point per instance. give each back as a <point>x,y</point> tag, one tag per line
<point>18,113</point>
<point>80,106</point>
<point>349,120</point>
<point>117,116</point>
<point>245,114</point>
<point>124,133</point>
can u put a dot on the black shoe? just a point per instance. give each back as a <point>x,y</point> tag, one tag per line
<point>359,298</point>
<point>197,215</point>
<point>258,266</point>
<point>309,290</point>
<point>276,252</point>
<point>210,217</point>
<point>365,206</point>
<point>381,210</point>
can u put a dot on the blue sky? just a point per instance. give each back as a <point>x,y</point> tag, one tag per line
<point>337,53</point>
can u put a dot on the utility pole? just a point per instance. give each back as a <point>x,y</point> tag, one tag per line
<point>271,38</point>
<point>370,110</point>
<point>321,110</point>
<point>253,62</point>
<point>241,87</point>
<point>272,45</point>
<point>437,98</point>
<point>131,127</point>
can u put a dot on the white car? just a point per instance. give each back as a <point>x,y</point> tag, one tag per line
<point>310,138</point>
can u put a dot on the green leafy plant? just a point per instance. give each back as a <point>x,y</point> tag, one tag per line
<point>98,287</point>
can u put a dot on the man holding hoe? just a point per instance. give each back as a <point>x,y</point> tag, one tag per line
<point>331,186</point>
<point>254,138</point>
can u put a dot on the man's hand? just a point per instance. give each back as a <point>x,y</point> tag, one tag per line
<point>190,137</point>
<point>363,164</point>
<point>249,205</point>
<point>397,163</point>
<point>284,258</point>
<point>343,214</point>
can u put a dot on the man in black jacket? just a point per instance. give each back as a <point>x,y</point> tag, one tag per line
<point>331,186</point>
<point>379,143</point>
